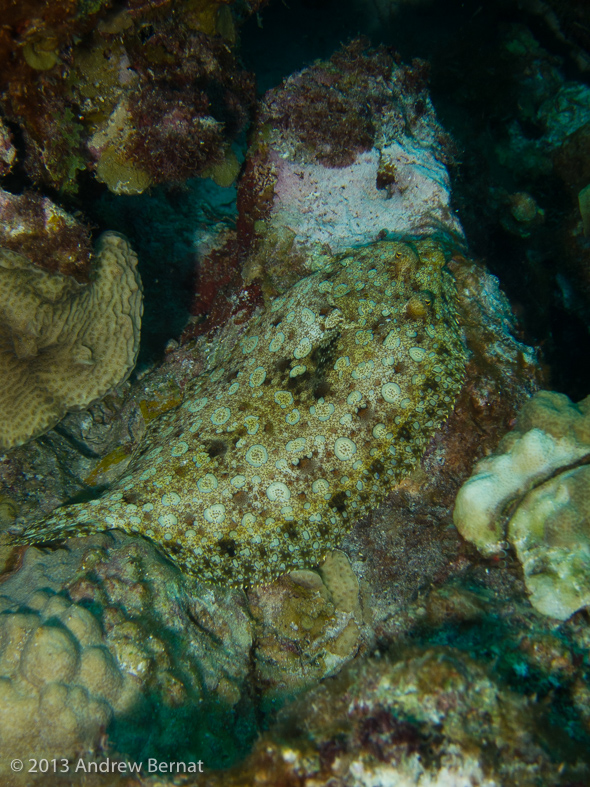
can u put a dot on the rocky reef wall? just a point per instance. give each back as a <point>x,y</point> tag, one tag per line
<point>335,534</point>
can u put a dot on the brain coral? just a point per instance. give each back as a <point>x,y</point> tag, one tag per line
<point>332,393</point>
<point>63,344</point>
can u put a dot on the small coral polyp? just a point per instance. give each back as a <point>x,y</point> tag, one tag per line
<point>331,395</point>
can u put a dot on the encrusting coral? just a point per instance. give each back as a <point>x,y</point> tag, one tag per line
<point>296,431</point>
<point>308,625</point>
<point>532,493</point>
<point>44,233</point>
<point>63,344</point>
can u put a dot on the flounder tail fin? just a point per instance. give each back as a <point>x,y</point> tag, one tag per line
<point>66,522</point>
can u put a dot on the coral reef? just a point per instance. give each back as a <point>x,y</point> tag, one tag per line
<point>141,93</point>
<point>345,153</point>
<point>496,360</point>
<point>425,717</point>
<point>45,234</point>
<point>109,635</point>
<point>520,494</point>
<point>308,626</point>
<point>63,344</point>
<point>97,447</point>
<point>235,497</point>
<point>550,107</point>
<point>217,457</point>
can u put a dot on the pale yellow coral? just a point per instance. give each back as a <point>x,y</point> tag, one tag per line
<point>113,167</point>
<point>64,345</point>
<point>532,493</point>
<point>551,534</point>
<point>308,624</point>
<point>59,683</point>
<point>551,432</point>
<point>342,583</point>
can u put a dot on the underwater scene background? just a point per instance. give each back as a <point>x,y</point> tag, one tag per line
<point>294,393</point>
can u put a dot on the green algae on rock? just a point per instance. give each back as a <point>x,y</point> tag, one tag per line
<point>332,393</point>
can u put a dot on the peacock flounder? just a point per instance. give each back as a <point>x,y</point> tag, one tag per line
<point>332,395</point>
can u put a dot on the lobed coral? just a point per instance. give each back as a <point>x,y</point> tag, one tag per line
<point>527,493</point>
<point>59,685</point>
<point>297,430</point>
<point>548,435</point>
<point>550,531</point>
<point>62,344</point>
<point>106,646</point>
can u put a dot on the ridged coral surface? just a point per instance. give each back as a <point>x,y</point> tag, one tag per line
<point>64,345</point>
<point>332,393</point>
